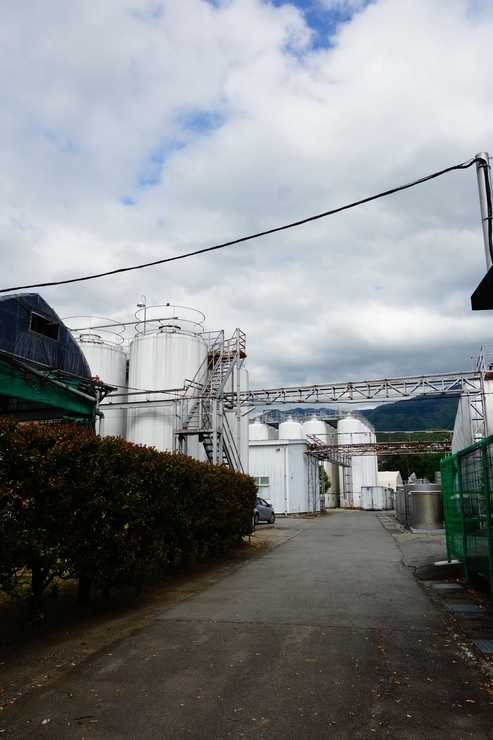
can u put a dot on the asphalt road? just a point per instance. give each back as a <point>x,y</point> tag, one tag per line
<point>327,636</point>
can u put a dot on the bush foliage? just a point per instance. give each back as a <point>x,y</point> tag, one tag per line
<point>106,511</point>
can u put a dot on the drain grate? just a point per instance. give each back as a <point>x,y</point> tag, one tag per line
<point>463,608</point>
<point>447,585</point>
<point>486,646</point>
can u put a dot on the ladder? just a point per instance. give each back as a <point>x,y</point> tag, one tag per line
<point>205,406</point>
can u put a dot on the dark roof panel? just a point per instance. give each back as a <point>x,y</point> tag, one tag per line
<point>31,329</point>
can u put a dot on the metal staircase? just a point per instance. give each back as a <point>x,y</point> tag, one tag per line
<point>207,407</point>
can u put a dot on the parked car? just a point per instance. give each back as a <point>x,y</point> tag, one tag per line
<point>263,512</point>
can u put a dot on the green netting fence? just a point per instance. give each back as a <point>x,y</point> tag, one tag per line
<point>467,486</point>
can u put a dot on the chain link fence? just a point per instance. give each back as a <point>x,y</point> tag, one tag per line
<point>467,486</point>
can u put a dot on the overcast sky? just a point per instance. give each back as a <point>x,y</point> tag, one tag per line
<point>135,130</point>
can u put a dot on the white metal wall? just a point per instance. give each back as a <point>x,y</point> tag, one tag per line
<point>287,467</point>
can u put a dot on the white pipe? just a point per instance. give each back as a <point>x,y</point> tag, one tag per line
<point>287,504</point>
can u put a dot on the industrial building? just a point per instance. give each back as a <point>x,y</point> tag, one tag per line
<point>163,381</point>
<point>285,462</point>
<point>283,467</point>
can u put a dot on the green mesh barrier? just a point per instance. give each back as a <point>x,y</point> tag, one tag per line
<point>49,391</point>
<point>467,483</point>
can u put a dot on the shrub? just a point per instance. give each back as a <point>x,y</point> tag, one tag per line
<point>73,504</point>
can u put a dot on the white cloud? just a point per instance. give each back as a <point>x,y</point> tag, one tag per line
<point>137,131</point>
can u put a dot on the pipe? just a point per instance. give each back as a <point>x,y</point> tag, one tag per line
<point>483,171</point>
<point>40,374</point>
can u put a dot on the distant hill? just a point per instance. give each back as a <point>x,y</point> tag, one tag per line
<point>426,412</point>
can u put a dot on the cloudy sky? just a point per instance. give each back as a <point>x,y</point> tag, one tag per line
<point>136,130</point>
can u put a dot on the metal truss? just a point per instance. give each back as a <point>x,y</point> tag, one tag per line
<point>391,389</point>
<point>342,454</point>
<point>200,409</point>
<point>367,390</point>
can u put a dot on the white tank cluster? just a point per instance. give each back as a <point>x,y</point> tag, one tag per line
<point>354,430</point>
<point>168,353</point>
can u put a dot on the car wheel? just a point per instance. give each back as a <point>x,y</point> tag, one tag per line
<point>272,518</point>
<point>255,518</point>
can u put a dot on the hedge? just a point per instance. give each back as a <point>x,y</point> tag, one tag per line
<point>105,511</point>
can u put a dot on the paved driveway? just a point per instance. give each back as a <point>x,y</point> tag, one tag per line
<point>327,636</point>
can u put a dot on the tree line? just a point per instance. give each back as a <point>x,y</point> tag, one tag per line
<point>106,511</point>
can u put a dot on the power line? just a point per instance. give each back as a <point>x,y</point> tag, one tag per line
<point>462,166</point>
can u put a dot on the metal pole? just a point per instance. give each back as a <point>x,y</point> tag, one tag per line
<point>487,509</point>
<point>483,171</point>
<point>286,482</point>
<point>465,554</point>
<point>215,439</point>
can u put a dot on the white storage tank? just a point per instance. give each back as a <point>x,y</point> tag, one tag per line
<point>317,428</point>
<point>290,429</point>
<point>101,341</point>
<point>352,430</point>
<point>332,470</point>
<point>109,363</point>
<point>258,431</point>
<point>261,431</point>
<point>232,417</point>
<point>164,356</point>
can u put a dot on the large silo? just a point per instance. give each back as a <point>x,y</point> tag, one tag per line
<point>167,354</point>
<point>232,416</point>
<point>352,430</point>
<point>101,342</point>
<point>327,435</point>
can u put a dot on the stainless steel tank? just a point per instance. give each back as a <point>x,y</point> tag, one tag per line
<point>400,505</point>
<point>426,506</point>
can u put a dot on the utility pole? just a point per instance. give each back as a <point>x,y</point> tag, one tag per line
<point>482,298</point>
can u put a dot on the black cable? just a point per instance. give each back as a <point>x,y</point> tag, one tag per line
<point>462,166</point>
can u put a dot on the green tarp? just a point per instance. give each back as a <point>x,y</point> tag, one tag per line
<point>50,389</point>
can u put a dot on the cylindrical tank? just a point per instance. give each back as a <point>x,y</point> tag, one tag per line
<point>352,430</point>
<point>316,428</point>
<point>109,363</point>
<point>332,469</point>
<point>243,422</point>
<point>258,431</point>
<point>290,429</point>
<point>162,360</point>
<point>400,505</point>
<point>426,506</point>
<point>326,434</point>
<point>101,341</point>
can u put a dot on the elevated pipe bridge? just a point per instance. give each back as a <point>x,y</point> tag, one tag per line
<point>368,390</point>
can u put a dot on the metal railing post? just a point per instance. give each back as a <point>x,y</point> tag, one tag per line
<point>487,510</point>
